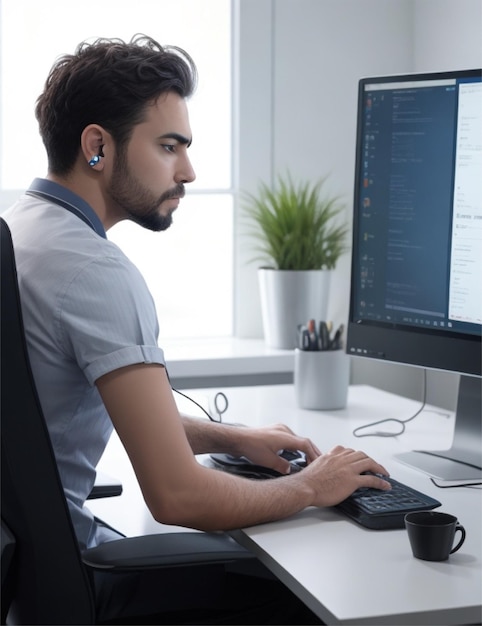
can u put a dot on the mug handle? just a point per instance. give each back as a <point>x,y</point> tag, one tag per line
<point>461,540</point>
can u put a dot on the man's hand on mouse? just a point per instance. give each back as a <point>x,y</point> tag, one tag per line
<point>262,446</point>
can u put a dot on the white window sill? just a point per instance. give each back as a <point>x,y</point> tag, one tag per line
<point>222,357</point>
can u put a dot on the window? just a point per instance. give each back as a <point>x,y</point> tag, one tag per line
<point>189,267</point>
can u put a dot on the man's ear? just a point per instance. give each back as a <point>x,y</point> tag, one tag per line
<point>92,142</point>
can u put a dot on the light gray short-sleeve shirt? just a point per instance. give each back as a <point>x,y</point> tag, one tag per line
<point>87,311</point>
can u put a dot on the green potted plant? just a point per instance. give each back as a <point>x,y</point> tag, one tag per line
<point>299,238</point>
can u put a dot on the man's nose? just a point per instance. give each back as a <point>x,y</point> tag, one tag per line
<point>186,174</point>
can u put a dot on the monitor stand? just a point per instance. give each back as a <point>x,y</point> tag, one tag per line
<point>463,461</point>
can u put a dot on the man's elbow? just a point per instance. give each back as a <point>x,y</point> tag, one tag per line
<point>175,510</point>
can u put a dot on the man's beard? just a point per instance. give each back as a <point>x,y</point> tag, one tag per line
<point>138,202</point>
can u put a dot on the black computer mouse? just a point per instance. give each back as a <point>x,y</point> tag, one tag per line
<point>244,467</point>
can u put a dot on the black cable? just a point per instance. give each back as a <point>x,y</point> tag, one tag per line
<point>400,422</point>
<point>190,399</point>
<point>196,403</point>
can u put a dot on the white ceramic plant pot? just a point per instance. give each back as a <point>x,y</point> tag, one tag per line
<point>290,298</point>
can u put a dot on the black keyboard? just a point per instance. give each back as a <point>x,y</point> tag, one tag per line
<point>369,507</point>
<point>382,510</point>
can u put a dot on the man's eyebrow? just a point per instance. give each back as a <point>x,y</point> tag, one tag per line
<point>178,137</point>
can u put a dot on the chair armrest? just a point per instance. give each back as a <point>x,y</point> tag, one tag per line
<point>165,550</point>
<point>105,487</point>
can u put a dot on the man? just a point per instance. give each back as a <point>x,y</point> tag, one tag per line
<point>114,121</point>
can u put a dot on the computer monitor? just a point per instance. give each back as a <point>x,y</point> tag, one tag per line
<point>416,284</point>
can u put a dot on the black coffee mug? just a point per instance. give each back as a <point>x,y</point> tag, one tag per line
<point>432,534</point>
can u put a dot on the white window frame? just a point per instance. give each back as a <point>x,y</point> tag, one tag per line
<point>253,143</point>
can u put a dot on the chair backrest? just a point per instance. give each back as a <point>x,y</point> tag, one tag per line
<point>48,582</point>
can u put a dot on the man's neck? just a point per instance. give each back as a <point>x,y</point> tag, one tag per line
<point>90,191</point>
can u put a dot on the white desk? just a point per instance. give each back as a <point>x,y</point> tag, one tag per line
<point>345,573</point>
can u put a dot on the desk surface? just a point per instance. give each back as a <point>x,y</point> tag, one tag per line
<point>345,573</point>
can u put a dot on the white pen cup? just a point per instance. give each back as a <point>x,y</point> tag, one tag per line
<point>321,379</point>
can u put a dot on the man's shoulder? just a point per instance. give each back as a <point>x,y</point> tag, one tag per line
<point>44,229</point>
<point>55,250</point>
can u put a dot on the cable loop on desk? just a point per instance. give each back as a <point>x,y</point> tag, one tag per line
<point>400,422</point>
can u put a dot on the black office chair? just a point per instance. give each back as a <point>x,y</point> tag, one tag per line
<point>46,579</point>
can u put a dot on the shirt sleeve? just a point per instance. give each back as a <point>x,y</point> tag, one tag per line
<point>107,318</point>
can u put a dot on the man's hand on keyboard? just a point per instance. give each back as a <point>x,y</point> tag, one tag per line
<point>335,475</point>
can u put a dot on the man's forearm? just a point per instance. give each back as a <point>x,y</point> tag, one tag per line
<point>205,436</point>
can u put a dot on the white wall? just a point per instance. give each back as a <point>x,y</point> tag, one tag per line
<point>447,34</point>
<point>300,61</point>
<point>321,51</point>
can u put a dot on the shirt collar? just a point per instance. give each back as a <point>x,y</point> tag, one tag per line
<point>69,200</point>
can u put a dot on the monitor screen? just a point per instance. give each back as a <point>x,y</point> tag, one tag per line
<point>416,284</point>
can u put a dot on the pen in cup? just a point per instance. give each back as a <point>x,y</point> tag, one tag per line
<point>324,336</point>
<point>336,342</point>
<point>312,333</point>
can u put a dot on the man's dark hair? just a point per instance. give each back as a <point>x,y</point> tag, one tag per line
<point>111,83</point>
